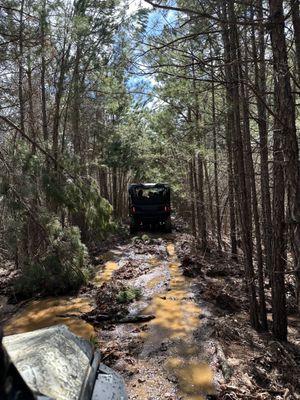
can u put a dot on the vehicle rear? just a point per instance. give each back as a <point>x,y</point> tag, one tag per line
<point>149,206</point>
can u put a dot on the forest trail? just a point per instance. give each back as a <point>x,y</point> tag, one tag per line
<point>167,357</point>
<point>170,354</point>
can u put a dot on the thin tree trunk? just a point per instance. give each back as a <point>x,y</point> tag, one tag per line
<point>201,200</point>
<point>279,241</point>
<point>76,106</point>
<point>21,68</point>
<point>250,177</point>
<point>216,166</point>
<point>33,131</point>
<point>192,199</point>
<point>103,182</point>
<point>260,83</point>
<point>210,199</point>
<point>114,192</point>
<point>231,47</point>
<point>202,231</point>
<point>285,140</point>
<point>296,26</point>
<point>43,24</point>
<point>231,198</point>
<point>58,97</point>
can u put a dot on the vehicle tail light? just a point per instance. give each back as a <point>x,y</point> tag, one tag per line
<point>167,209</point>
<point>133,210</point>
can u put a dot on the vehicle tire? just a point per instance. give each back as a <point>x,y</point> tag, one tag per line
<point>168,225</point>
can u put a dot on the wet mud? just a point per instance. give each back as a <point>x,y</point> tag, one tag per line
<point>42,313</point>
<point>165,358</point>
<point>170,362</point>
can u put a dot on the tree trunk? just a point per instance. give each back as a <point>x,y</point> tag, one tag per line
<point>114,192</point>
<point>58,97</point>
<point>43,25</point>
<point>231,198</point>
<point>32,124</point>
<point>285,140</point>
<point>216,166</point>
<point>21,68</point>
<point>200,173</point>
<point>103,182</point>
<point>296,26</point>
<point>192,199</point>
<point>250,177</point>
<point>76,106</point>
<point>201,201</point>
<point>260,84</point>
<point>210,199</point>
<point>231,49</point>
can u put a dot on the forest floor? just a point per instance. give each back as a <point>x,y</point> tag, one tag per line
<point>172,322</point>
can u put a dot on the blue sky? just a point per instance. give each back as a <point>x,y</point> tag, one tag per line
<point>157,19</point>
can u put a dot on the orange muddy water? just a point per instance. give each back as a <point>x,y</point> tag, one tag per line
<point>43,313</point>
<point>47,312</point>
<point>105,275</point>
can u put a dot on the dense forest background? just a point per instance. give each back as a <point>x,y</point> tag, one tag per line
<point>201,94</point>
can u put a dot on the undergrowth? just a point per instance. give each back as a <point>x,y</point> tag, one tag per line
<point>62,268</point>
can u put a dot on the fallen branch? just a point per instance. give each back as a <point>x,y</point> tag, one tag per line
<point>96,319</point>
<point>136,318</point>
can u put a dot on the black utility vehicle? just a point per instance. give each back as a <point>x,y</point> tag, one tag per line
<point>149,205</point>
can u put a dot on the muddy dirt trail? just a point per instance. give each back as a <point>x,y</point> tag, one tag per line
<point>170,357</point>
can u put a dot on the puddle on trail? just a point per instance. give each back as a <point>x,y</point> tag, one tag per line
<point>177,317</point>
<point>47,312</point>
<point>106,274</point>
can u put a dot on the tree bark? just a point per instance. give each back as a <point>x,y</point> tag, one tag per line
<point>210,200</point>
<point>200,199</point>
<point>202,230</point>
<point>296,26</point>
<point>250,178</point>
<point>216,179</point>
<point>43,25</point>
<point>192,199</point>
<point>115,191</point>
<point>231,49</point>
<point>21,68</point>
<point>260,84</point>
<point>231,197</point>
<point>103,182</point>
<point>58,97</point>
<point>285,145</point>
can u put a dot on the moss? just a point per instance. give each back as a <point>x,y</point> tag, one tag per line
<point>127,295</point>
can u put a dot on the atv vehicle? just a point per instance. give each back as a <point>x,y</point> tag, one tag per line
<point>54,364</point>
<point>149,205</point>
